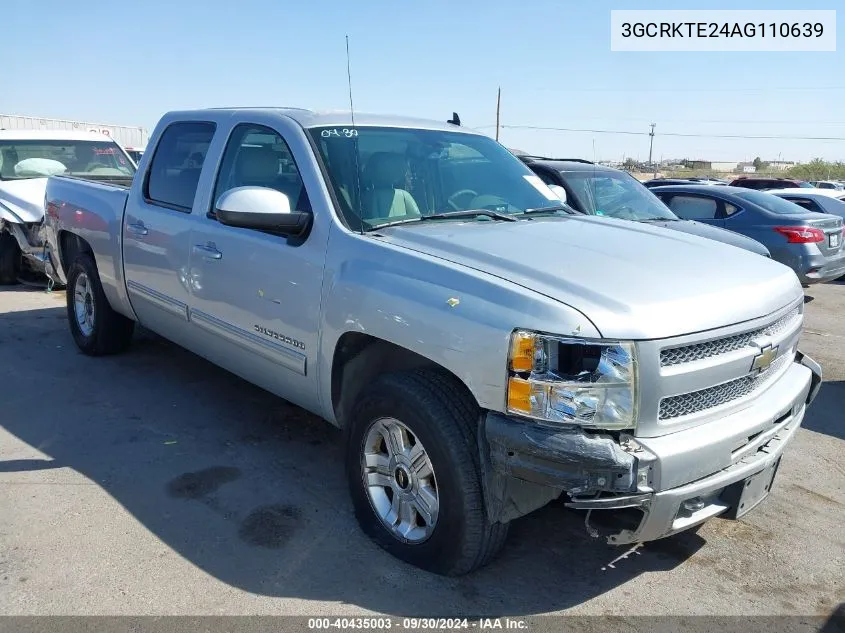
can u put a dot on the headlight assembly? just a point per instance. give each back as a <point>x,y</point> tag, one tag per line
<point>592,383</point>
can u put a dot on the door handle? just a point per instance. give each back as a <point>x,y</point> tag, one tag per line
<point>137,228</point>
<point>208,251</point>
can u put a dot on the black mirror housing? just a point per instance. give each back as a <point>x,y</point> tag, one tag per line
<point>295,223</point>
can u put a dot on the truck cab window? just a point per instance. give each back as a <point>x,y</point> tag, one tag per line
<point>257,156</point>
<point>177,164</point>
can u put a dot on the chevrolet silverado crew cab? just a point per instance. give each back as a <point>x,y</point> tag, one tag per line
<point>485,348</point>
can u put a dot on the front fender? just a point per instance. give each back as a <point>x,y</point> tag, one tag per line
<point>6,215</point>
<point>458,318</point>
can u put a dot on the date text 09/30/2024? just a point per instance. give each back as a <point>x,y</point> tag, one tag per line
<point>386,623</point>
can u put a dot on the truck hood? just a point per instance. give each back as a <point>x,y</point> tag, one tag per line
<point>714,233</point>
<point>22,201</point>
<point>632,280</point>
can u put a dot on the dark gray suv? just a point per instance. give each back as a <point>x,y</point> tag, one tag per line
<point>599,190</point>
<point>809,243</point>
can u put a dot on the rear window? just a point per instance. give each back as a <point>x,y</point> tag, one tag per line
<point>770,202</point>
<point>804,203</point>
<point>694,207</point>
<point>175,170</point>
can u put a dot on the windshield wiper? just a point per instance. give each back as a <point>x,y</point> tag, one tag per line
<point>658,219</point>
<point>550,209</point>
<point>470,213</point>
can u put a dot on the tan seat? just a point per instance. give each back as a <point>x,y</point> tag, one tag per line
<point>259,167</point>
<point>256,167</point>
<point>384,175</point>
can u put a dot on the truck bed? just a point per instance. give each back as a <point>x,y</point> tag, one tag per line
<point>122,182</point>
<point>93,210</point>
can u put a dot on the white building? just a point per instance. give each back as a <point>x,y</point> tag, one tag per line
<point>128,136</point>
<point>724,166</point>
<point>781,165</point>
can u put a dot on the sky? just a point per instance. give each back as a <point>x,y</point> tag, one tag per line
<point>128,62</point>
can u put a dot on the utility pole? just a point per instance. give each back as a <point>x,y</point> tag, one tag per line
<point>498,106</point>
<point>651,146</point>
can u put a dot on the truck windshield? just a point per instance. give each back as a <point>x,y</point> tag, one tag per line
<point>615,194</point>
<point>21,159</point>
<point>382,175</point>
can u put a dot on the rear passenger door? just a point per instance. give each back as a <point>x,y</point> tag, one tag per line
<point>696,207</point>
<point>157,225</point>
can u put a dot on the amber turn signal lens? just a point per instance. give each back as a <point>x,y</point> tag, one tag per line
<point>522,351</point>
<point>519,395</point>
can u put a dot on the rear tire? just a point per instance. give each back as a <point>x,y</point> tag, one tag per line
<point>10,259</point>
<point>435,412</point>
<point>96,328</point>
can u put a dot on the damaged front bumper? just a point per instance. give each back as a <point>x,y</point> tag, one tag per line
<point>34,252</point>
<point>642,489</point>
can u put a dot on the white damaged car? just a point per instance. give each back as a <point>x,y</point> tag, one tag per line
<point>27,159</point>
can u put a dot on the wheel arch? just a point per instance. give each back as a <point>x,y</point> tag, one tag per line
<point>70,246</point>
<point>359,358</point>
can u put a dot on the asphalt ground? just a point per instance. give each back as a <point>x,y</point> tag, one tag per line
<point>155,483</point>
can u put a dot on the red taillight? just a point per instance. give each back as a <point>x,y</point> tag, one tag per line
<point>801,234</point>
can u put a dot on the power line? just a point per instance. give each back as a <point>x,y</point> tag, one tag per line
<point>563,129</point>
<point>680,134</point>
<point>643,119</point>
<point>685,89</point>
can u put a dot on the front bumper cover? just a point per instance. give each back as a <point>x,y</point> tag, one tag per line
<point>525,465</point>
<point>33,250</point>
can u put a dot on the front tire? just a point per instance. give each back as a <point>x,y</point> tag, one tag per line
<point>96,328</point>
<point>10,259</point>
<point>414,475</point>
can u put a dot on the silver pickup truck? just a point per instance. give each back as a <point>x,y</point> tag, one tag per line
<point>485,348</point>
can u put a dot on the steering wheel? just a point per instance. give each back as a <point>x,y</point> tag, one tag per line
<point>625,212</point>
<point>452,200</point>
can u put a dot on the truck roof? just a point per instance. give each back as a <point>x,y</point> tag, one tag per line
<point>51,135</point>
<point>313,118</point>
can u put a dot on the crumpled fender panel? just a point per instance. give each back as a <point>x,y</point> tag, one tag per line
<point>525,465</point>
<point>6,215</point>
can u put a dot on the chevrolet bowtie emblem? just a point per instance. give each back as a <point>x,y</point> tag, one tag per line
<point>765,358</point>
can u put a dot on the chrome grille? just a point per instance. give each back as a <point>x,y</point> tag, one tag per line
<point>695,401</point>
<point>717,347</point>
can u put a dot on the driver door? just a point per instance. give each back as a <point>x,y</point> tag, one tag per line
<point>255,295</point>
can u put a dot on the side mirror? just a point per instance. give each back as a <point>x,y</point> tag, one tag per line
<point>559,191</point>
<point>260,208</point>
